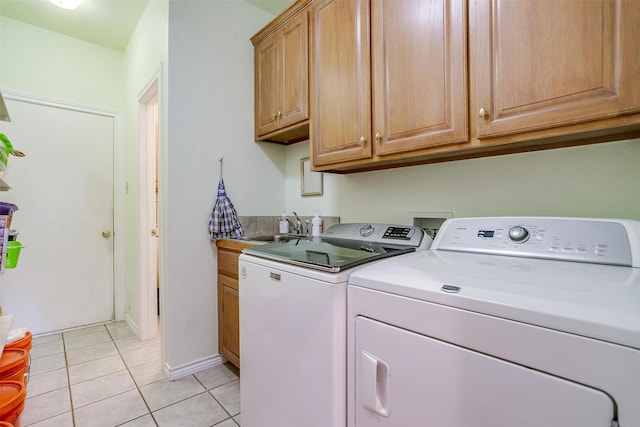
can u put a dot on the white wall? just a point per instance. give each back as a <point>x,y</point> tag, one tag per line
<point>598,180</point>
<point>45,64</point>
<point>146,57</point>
<point>210,114</point>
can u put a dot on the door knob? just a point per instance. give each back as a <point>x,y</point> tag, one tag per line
<point>106,234</point>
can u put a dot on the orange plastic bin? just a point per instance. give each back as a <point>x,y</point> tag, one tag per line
<point>14,365</point>
<point>12,395</point>
<point>23,343</point>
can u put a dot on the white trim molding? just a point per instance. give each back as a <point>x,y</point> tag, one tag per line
<point>181,371</point>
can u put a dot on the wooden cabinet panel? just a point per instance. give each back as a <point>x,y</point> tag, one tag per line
<point>228,254</point>
<point>294,75</point>
<point>282,78</point>
<point>397,87</point>
<point>228,262</point>
<point>545,64</point>
<point>419,74</point>
<point>267,89</point>
<point>340,79</point>
<point>229,306</point>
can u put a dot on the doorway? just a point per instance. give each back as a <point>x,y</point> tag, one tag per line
<point>148,125</point>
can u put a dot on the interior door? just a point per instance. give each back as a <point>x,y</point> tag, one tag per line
<point>64,191</point>
<point>406,379</point>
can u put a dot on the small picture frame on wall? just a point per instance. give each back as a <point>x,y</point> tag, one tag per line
<point>310,182</point>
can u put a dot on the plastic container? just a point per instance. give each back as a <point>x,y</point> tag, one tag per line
<point>283,224</point>
<point>5,149</point>
<point>7,208</point>
<point>14,365</point>
<point>12,395</point>
<point>13,253</point>
<point>316,226</point>
<point>23,343</point>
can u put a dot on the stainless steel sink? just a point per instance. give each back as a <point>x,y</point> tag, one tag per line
<point>272,238</point>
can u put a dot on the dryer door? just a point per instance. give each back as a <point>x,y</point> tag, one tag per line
<point>406,379</point>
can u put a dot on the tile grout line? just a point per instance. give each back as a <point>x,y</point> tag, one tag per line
<point>66,365</point>
<point>206,390</point>
<point>134,382</point>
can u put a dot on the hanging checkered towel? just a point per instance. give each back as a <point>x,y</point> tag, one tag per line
<point>223,221</point>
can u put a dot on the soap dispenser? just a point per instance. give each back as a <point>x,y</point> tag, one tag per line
<point>283,224</point>
<point>316,226</point>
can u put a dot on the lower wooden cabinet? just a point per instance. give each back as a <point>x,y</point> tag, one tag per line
<point>228,298</point>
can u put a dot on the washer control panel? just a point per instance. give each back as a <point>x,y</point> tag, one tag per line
<point>380,233</point>
<point>572,239</point>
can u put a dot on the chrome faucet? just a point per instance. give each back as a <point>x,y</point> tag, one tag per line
<point>297,227</point>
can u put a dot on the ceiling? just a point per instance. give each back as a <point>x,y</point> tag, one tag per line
<point>108,23</point>
<point>274,7</point>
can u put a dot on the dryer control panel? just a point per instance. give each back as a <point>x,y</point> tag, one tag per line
<point>592,240</point>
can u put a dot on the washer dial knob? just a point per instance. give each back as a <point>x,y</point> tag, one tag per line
<point>518,234</point>
<point>366,230</point>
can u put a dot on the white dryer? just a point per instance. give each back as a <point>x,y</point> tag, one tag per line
<point>506,321</point>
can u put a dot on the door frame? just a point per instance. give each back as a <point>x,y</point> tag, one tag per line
<point>148,173</point>
<point>118,176</point>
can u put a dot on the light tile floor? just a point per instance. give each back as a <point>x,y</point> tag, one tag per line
<point>102,376</point>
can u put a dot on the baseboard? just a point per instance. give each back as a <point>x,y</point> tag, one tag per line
<point>131,324</point>
<point>177,372</point>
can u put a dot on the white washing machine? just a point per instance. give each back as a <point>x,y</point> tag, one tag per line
<point>293,313</point>
<point>508,321</point>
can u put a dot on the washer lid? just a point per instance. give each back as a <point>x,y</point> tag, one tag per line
<point>597,301</point>
<point>331,255</point>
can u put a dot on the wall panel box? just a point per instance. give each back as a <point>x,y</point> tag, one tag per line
<point>429,221</point>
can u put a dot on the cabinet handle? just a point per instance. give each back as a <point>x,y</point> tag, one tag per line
<point>483,113</point>
<point>274,115</point>
<point>279,114</point>
<point>362,140</point>
<point>378,136</point>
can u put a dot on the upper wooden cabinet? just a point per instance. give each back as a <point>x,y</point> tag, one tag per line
<point>281,78</point>
<point>419,74</point>
<point>340,81</point>
<point>547,65</point>
<point>406,82</point>
<point>388,80</point>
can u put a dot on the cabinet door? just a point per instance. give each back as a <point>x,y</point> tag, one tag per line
<point>294,74</point>
<point>546,63</point>
<point>340,81</point>
<point>419,74</point>
<point>266,85</point>
<point>229,318</point>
